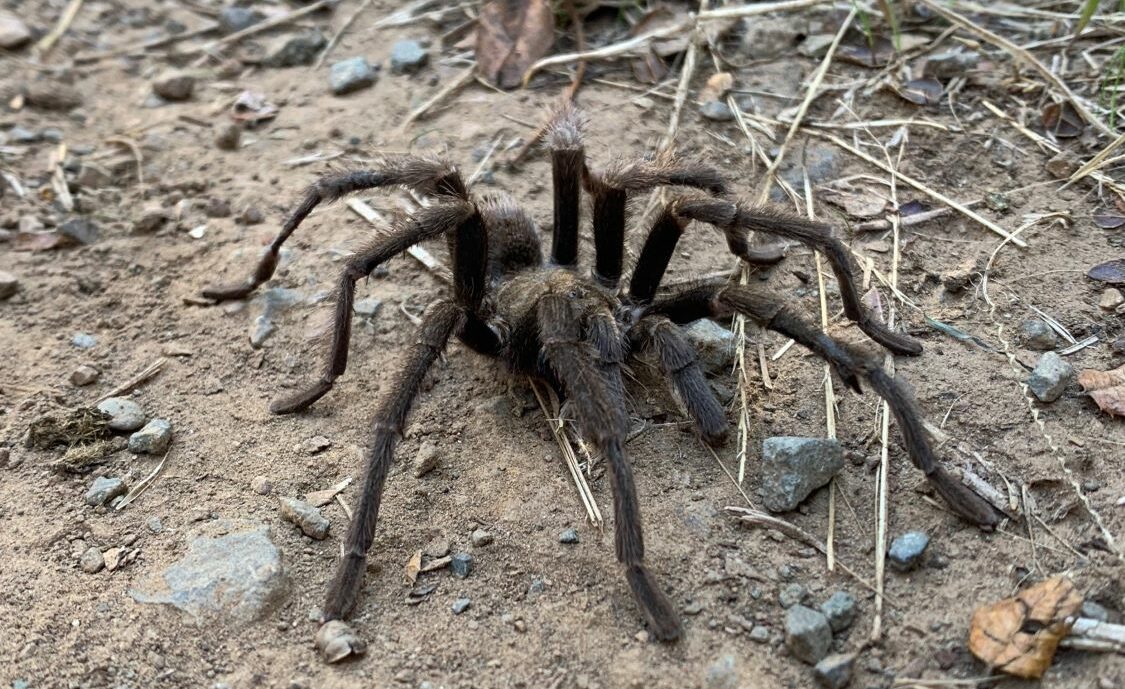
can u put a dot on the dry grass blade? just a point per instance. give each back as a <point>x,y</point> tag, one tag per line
<point>143,485</point>
<point>128,386</point>
<point>261,26</point>
<point>569,457</point>
<point>419,253</point>
<point>449,89</point>
<point>45,44</point>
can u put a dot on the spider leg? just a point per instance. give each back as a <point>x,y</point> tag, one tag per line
<point>428,223</point>
<point>680,366</point>
<point>568,160</point>
<point>767,310</point>
<point>426,176</point>
<point>601,418</point>
<point>441,320</point>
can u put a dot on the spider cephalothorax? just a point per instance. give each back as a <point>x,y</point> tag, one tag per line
<point>548,320</point>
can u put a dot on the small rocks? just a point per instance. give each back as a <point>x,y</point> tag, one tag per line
<point>228,137</point>
<point>367,308</point>
<point>426,460</point>
<point>835,671</point>
<point>1110,299</point>
<point>104,489</point>
<point>348,76</point>
<point>79,229</point>
<point>234,19</point>
<point>840,610</point>
<point>336,641</point>
<point>716,111</point>
<point>314,445</point>
<point>760,634</point>
<point>1050,377</point>
<point>480,537</point>
<point>568,536</point>
<point>461,564</point>
<point>84,341</point>
<point>174,86</point>
<point>461,605</point>
<point>1062,165</point>
<point>92,561</point>
<point>311,522</point>
<point>53,95</point>
<point>261,485</point>
<point>807,634</point>
<point>217,208</point>
<point>125,415</point>
<point>792,468</point>
<point>1037,335</point>
<point>9,285</point>
<point>153,439</point>
<point>721,674</point>
<point>408,57</point>
<point>151,219</point>
<point>906,550</point>
<point>713,343</point>
<point>791,595</point>
<point>296,51</point>
<point>13,32</point>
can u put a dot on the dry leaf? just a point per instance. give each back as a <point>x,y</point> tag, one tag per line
<point>1112,272</point>
<point>921,91</point>
<point>511,36</point>
<point>860,204</point>
<point>663,17</point>
<point>717,87</point>
<point>413,567</point>
<point>1019,635</point>
<point>1062,120</point>
<point>1106,388</point>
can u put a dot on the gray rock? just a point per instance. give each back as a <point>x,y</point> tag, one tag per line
<point>261,485</point>
<point>716,111</point>
<point>792,468</point>
<point>13,32</point>
<point>426,460</point>
<point>104,489</point>
<point>791,595</point>
<point>461,605</point>
<point>1111,299</point>
<point>721,674</point>
<point>1094,611</point>
<point>154,525</point>
<point>713,343</point>
<point>760,634</point>
<point>348,76</point>
<point>92,561</point>
<point>125,415</point>
<point>9,284</point>
<point>480,537</point>
<point>1050,377</point>
<point>835,671</point>
<point>1037,335</point>
<point>263,327</point>
<point>228,137</point>
<point>296,51</point>
<point>83,341</point>
<point>308,518</point>
<point>840,610</point>
<point>84,375</point>
<point>314,445</point>
<point>568,536</point>
<point>81,230</point>
<point>906,550</point>
<point>336,641</point>
<point>174,85</point>
<point>764,38</point>
<point>408,57</point>
<point>367,308</point>
<point>22,135</point>
<point>238,575</point>
<point>461,564</point>
<point>234,19</point>
<point>153,439</point>
<point>217,208</point>
<point>151,219</point>
<point>807,634</point>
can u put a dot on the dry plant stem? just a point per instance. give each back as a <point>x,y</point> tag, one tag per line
<point>1020,54</point>
<point>419,253</point>
<point>1096,161</point>
<point>148,45</point>
<point>580,42</point>
<point>260,27</point>
<point>45,44</point>
<point>569,457</point>
<point>128,386</point>
<point>449,89</point>
<point>143,485</point>
<point>1091,635</point>
<point>344,27</point>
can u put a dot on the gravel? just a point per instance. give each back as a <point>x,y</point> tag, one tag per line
<point>568,536</point>
<point>713,343</point>
<point>174,85</point>
<point>906,550</point>
<point>125,415</point>
<point>314,445</point>
<point>151,219</point>
<point>104,489</point>
<point>80,229</point>
<point>716,111</point>
<point>760,634</point>
<point>426,460</point>
<point>1037,335</point>
<point>480,537</point>
<point>84,341</point>
<point>840,610</point>
<point>296,51</point>
<point>1050,377</point>
<point>92,560</point>
<point>9,284</point>
<point>308,518</point>
<point>792,468</point>
<point>353,74</point>
<point>461,564</point>
<point>791,595</point>
<point>234,19</point>
<point>261,485</point>
<point>835,671</point>
<point>461,605</point>
<point>153,439</point>
<point>807,634</point>
<point>84,375</point>
<point>408,57</point>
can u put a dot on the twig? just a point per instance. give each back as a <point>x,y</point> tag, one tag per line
<point>420,254</point>
<point>45,44</point>
<point>260,27</point>
<point>347,25</point>
<point>149,44</point>
<point>149,372</point>
<point>452,87</point>
<point>556,425</point>
<point>143,485</point>
<point>580,42</point>
<point>1091,635</point>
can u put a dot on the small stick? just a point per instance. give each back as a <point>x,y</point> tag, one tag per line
<point>420,254</point>
<point>148,45</point>
<point>484,161</point>
<point>1094,162</point>
<point>260,27</point>
<point>45,44</point>
<point>1091,635</point>
<point>143,485</point>
<point>452,87</point>
<point>580,40</point>
<point>149,372</point>
<point>345,26</point>
<point>570,459</point>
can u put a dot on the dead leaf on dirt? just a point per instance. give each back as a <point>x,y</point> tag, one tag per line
<point>717,87</point>
<point>1112,272</point>
<point>413,567</point>
<point>1109,219</point>
<point>1106,388</point>
<point>1062,120</point>
<point>921,91</point>
<point>860,204</point>
<point>250,108</point>
<point>875,54</point>
<point>511,35</point>
<point>650,67</point>
<point>1019,635</point>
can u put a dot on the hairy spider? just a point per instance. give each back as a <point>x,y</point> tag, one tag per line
<point>551,321</point>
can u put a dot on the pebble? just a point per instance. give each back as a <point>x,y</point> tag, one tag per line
<point>263,328</point>
<point>20,135</point>
<point>154,525</point>
<point>13,32</point>
<point>250,216</point>
<point>217,208</point>
<point>760,634</point>
<point>261,485</point>
<point>461,605</point>
<point>104,489</point>
<point>1050,377</point>
<point>336,641</point>
<point>83,341</point>
<point>408,57</point>
<point>125,415</point>
<point>153,439</point>
<point>239,575</point>
<point>50,94</point>
<point>835,671</point>
<point>792,468</point>
<point>426,460</point>
<point>9,284</point>
<point>568,536</point>
<point>1111,299</point>
<point>351,75</point>
<point>174,85</point>
<point>308,518</point>
<point>840,610</point>
<point>151,219</point>
<point>367,308</point>
<point>480,537</point>
<point>791,595</point>
<point>81,230</point>
<point>1095,611</point>
<point>1037,335</point>
<point>714,345</point>
<point>228,136</point>
<point>92,561</point>
<point>234,19</point>
<point>716,111</point>
<point>807,634</point>
<point>721,674</point>
<point>296,51</point>
<point>315,444</point>
<point>461,564</point>
<point>906,550</point>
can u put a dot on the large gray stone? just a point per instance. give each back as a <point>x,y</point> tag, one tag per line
<point>792,468</point>
<point>351,75</point>
<point>153,439</point>
<point>237,575</point>
<point>713,343</point>
<point>807,634</point>
<point>408,56</point>
<point>125,414</point>
<point>1050,377</point>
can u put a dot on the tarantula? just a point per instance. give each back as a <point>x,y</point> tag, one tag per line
<point>550,321</point>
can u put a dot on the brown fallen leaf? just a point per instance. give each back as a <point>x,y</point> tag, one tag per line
<point>511,35</point>
<point>1062,120</point>
<point>1019,635</point>
<point>717,87</point>
<point>413,567</point>
<point>1106,388</point>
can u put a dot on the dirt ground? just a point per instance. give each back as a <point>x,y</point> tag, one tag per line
<point>500,470</point>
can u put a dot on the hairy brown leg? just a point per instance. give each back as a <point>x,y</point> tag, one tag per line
<point>440,321</point>
<point>568,161</point>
